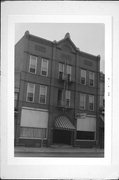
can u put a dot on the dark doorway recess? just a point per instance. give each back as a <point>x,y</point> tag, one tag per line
<point>62,137</point>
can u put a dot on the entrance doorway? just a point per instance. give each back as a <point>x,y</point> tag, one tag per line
<point>62,137</point>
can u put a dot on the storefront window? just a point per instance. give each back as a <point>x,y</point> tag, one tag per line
<point>85,135</point>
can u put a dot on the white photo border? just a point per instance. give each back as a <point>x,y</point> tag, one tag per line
<point>9,85</point>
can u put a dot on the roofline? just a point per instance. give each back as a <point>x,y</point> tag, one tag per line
<point>28,35</point>
<point>69,40</point>
<point>89,55</point>
<point>20,40</point>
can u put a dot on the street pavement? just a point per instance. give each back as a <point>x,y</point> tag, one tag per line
<point>58,151</point>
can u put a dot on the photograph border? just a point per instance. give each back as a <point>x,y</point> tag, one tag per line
<point>10,166</point>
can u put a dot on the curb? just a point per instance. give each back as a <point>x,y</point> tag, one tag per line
<point>44,150</point>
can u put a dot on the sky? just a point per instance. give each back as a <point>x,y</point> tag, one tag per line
<point>88,37</point>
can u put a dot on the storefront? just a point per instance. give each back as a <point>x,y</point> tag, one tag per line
<point>86,131</point>
<point>33,126</point>
<point>63,132</point>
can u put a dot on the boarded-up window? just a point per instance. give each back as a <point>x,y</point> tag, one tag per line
<point>86,124</point>
<point>34,118</point>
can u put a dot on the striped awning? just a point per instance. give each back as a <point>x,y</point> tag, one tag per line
<point>62,122</point>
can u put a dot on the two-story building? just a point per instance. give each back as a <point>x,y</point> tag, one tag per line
<point>56,93</point>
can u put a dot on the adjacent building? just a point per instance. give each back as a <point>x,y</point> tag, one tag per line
<point>56,93</point>
<point>101,109</point>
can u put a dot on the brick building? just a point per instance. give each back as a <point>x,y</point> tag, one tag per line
<point>56,93</point>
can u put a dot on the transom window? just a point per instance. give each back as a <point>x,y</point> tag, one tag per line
<point>43,94</point>
<point>67,97</point>
<point>30,92</point>
<point>91,78</point>
<point>68,71</point>
<point>91,102</point>
<point>33,64</point>
<point>83,77</point>
<point>61,71</point>
<point>44,67</point>
<point>82,101</point>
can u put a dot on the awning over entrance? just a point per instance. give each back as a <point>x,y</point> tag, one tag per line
<point>62,122</point>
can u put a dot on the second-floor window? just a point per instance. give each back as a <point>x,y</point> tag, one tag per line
<point>91,78</point>
<point>43,94</point>
<point>82,101</point>
<point>44,67</point>
<point>68,71</point>
<point>91,102</point>
<point>30,92</point>
<point>83,77</point>
<point>61,71</point>
<point>67,98</point>
<point>33,64</point>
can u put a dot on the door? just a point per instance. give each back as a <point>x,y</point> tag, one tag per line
<point>62,137</point>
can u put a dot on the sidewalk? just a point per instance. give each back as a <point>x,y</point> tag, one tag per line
<point>59,149</point>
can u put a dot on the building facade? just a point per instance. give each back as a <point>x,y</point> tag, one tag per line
<point>56,93</point>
